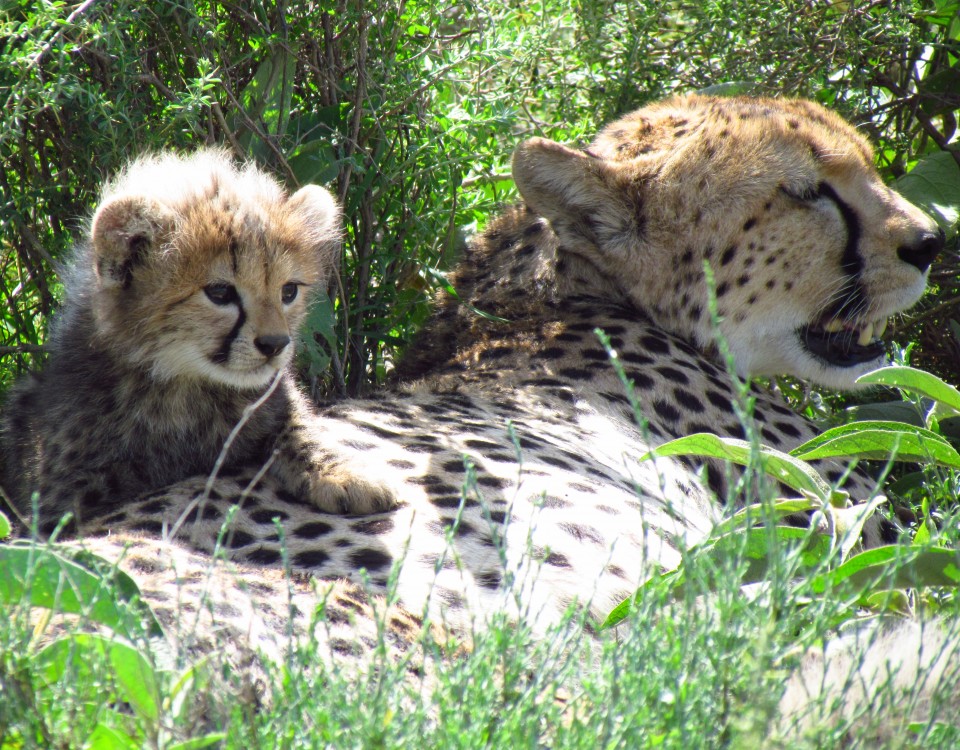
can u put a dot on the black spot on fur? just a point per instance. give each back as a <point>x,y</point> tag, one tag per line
<point>674,375</point>
<point>575,373</point>
<point>371,559</point>
<point>263,556</point>
<point>788,429</point>
<point>237,539</point>
<point>266,515</point>
<point>374,526</point>
<point>498,483</point>
<point>635,358</point>
<point>655,344</point>
<point>688,400</point>
<point>312,530</point>
<point>666,411</point>
<point>313,558</point>
<point>490,580</point>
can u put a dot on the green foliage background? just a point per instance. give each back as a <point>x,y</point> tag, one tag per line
<point>410,110</point>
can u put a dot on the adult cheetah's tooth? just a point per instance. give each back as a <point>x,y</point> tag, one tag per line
<point>833,326</point>
<point>880,328</point>
<point>866,335</point>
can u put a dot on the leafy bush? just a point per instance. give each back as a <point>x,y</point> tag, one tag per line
<point>411,111</point>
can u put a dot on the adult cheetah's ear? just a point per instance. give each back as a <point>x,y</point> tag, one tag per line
<point>123,231</point>
<point>319,214</point>
<point>577,192</point>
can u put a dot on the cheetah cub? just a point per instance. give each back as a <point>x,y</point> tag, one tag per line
<point>180,309</point>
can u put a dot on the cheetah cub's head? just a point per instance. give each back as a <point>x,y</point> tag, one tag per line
<point>201,269</point>
<point>810,251</point>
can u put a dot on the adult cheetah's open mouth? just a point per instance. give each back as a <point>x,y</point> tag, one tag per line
<point>843,344</point>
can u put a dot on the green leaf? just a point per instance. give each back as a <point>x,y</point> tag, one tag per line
<point>934,184</point>
<point>753,545</point>
<point>887,411</point>
<point>47,578</point>
<point>880,441</point>
<point>730,88</point>
<point>779,508</point>
<point>314,162</point>
<point>892,567</point>
<point>915,381</point>
<point>78,657</point>
<point>4,526</point>
<point>199,742</point>
<point>915,480</point>
<point>267,98</point>
<point>104,737</point>
<point>782,466</point>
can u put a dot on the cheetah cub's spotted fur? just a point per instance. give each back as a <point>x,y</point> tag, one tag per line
<point>180,310</point>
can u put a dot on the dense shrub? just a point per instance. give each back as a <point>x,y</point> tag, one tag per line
<point>410,111</point>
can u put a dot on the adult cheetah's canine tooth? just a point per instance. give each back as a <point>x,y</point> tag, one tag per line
<point>833,326</point>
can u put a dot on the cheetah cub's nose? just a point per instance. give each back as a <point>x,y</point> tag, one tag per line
<point>923,252</point>
<point>272,345</point>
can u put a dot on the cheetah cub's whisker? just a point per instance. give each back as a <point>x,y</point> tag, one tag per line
<point>181,307</point>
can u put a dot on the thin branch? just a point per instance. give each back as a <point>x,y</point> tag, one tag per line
<point>23,349</point>
<point>265,137</point>
<point>482,179</point>
<point>80,10</point>
<point>204,497</point>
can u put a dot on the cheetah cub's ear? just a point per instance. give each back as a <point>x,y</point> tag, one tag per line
<point>320,214</point>
<point>588,201</point>
<point>123,232</point>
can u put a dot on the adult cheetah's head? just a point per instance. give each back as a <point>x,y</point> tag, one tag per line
<point>200,269</point>
<point>810,251</point>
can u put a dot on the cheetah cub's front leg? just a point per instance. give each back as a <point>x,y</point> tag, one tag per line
<point>310,471</point>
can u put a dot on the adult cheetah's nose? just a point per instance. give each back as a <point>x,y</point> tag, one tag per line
<point>271,345</point>
<point>924,249</point>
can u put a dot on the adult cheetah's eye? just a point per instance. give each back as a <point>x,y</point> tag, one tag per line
<point>221,293</point>
<point>805,194</point>
<point>288,293</point>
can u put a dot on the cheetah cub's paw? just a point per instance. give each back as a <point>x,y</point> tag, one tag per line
<point>345,492</point>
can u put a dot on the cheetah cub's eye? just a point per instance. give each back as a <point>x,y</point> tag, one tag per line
<point>289,291</point>
<point>221,293</point>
